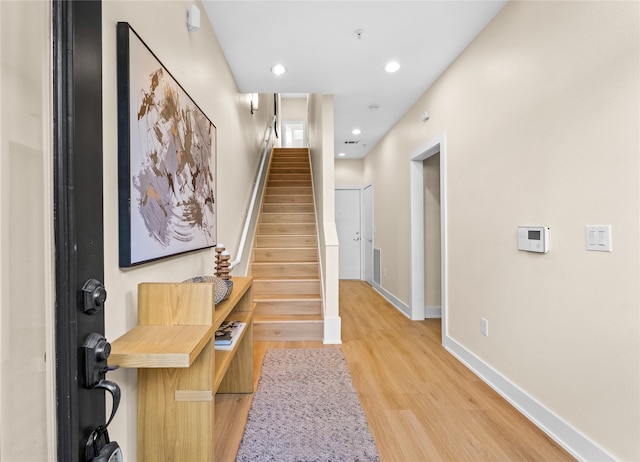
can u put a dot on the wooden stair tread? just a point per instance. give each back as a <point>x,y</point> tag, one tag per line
<point>285,297</point>
<point>264,318</point>
<point>285,248</point>
<point>286,262</point>
<point>285,278</point>
<point>294,235</point>
<point>287,235</point>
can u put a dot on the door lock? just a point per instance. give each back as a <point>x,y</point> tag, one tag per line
<point>94,295</point>
<point>96,351</point>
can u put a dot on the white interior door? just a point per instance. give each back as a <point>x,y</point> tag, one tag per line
<point>349,234</point>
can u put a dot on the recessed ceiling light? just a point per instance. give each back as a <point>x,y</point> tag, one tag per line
<point>278,69</point>
<point>356,131</point>
<point>393,66</point>
<point>342,154</point>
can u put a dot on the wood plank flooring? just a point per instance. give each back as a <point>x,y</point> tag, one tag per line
<point>420,402</point>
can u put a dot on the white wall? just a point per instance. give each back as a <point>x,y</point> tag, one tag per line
<point>541,114</point>
<point>293,109</point>
<point>197,62</point>
<point>349,172</point>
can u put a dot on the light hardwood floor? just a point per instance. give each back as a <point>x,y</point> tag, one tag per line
<point>420,402</point>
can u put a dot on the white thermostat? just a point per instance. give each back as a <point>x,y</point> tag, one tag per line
<point>533,238</point>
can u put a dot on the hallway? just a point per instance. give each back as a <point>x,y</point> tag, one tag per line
<point>421,403</point>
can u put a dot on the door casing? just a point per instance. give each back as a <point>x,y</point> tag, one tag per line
<point>432,147</point>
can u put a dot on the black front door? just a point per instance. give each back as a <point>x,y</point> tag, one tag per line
<point>77,63</point>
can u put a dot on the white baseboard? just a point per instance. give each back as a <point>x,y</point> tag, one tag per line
<point>332,330</point>
<point>429,311</point>
<point>578,445</point>
<point>432,312</point>
<point>401,306</point>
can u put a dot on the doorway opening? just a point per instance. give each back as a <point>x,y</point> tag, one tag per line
<point>436,146</point>
<point>432,237</point>
<point>293,134</point>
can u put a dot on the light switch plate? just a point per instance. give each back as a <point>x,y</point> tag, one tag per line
<point>598,238</point>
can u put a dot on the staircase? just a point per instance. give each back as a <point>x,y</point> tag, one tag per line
<point>285,267</point>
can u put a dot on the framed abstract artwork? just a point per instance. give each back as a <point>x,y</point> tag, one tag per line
<point>166,160</point>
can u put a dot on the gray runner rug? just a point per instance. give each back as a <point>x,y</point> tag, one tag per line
<point>306,409</point>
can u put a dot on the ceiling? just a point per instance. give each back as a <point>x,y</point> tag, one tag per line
<point>317,42</point>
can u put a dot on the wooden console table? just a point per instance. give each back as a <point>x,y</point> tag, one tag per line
<point>179,369</point>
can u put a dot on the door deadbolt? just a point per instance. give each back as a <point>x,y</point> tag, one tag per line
<point>94,295</point>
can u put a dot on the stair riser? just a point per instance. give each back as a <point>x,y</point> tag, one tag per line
<point>285,255</point>
<point>286,229</point>
<point>289,184</point>
<point>291,155</point>
<point>289,176</point>
<point>271,287</point>
<point>287,331</point>
<point>290,152</point>
<point>287,218</point>
<point>286,241</point>
<point>297,161</point>
<point>277,170</point>
<point>298,158</point>
<point>285,308</point>
<point>287,208</point>
<point>278,167</point>
<point>290,191</point>
<point>282,199</point>
<point>284,269</point>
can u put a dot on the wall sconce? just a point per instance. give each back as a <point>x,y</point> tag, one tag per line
<point>193,18</point>
<point>254,102</point>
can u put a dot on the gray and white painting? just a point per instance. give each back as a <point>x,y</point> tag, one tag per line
<point>172,161</point>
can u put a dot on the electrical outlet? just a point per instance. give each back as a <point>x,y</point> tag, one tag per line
<point>385,272</point>
<point>484,327</point>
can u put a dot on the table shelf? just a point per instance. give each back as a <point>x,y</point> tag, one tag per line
<point>179,370</point>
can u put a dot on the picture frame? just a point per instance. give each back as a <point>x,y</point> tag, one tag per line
<point>166,160</point>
